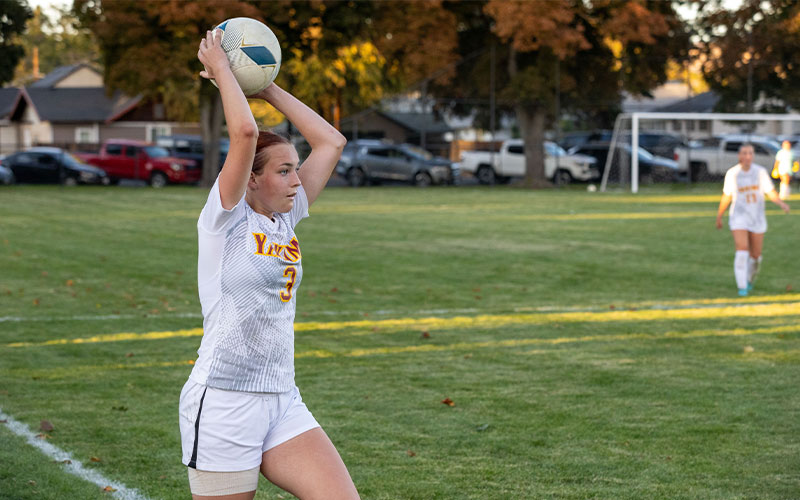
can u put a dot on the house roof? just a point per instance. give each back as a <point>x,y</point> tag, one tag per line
<point>8,98</point>
<point>77,104</point>
<point>418,122</point>
<point>58,74</point>
<point>701,103</point>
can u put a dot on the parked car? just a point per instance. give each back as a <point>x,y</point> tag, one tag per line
<point>509,162</point>
<point>124,159</point>
<point>6,175</point>
<point>713,157</point>
<point>190,147</point>
<point>46,165</point>
<point>651,168</point>
<point>573,139</point>
<point>367,160</point>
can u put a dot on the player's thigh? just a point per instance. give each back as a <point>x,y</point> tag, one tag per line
<point>756,242</point>
<point>309,467</point>
<point>741,239</point>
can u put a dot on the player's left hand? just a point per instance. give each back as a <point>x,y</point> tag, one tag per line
<point>785,207</point>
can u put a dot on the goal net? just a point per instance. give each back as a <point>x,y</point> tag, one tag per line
<point>689,147</point>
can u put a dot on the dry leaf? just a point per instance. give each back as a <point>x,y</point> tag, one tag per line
<point>612,307</point>
<point>44,273</point>
<point>448,402</point>
<point>477,297</point>
<point>334,290</point>
<point>788,288</point>
<point>129,355</point>
<point>70,282</point>
<point>426,335</point>
<point>46,426</point>
<point>109,488</point>
<point>32,482</point>
<point>43,436</point>
<point>36,302</point>
<point>95,459</point>
<point>411,453</point>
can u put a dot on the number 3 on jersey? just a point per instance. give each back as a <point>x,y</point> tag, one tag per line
<point>291,273</point>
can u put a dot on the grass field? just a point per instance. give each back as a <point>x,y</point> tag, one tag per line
<point>592,344</point>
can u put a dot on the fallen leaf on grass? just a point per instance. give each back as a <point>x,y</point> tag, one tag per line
<point>109,489</point>
<point>426,335</point>
<point>44,273</point>
<point>46,426</point>
<point>70,282</point>
<point>36,302</point>
<point>334,290</point>
<point>411,453</point>
<point>43,436</point>
<point>95,459</point>
<point>612,307</point>
<point>66,462</point>
<point>129,355</point>
<point>788,288</point>
<point>448,402</point>
<point>32,482</point>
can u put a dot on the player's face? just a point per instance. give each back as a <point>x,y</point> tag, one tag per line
<point>746,156</point>
<point>786,145</point>
<point>278,182</point>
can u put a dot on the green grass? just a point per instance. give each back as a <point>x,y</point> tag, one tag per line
<point>625,401</point>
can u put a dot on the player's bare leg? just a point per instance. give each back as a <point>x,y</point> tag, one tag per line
<point>309,467</point>
<point>785,190</point>
<point>756,241</point>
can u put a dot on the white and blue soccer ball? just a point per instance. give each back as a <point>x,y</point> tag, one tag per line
<point>253,51</point>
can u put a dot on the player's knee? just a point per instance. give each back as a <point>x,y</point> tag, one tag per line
<point>216,484</point>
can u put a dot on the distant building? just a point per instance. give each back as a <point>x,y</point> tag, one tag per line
<point>69,107</point>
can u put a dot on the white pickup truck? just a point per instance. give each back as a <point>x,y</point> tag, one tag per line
<point>716,155</point>
<point>560,167</point>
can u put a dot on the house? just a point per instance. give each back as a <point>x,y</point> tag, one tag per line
<point>70,108</point>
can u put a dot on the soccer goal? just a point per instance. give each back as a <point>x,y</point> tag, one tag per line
<point>704,145</point>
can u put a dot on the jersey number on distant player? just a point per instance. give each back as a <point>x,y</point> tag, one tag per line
<point>750,198</point>
<point>291,273</point>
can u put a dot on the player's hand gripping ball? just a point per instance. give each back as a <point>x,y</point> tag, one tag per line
<point>253,51</point>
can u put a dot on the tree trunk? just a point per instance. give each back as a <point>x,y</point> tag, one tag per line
<point>211,123</point>
<point>531,120</point>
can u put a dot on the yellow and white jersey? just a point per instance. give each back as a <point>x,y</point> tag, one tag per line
<point>747,189</point>
<point>249,268</point>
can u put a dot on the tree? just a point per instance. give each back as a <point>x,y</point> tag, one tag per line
<point>57,42</point>
<point>150,47</point>
<point>13,15</point>
<point>752,52</point>
<point>596,49</point>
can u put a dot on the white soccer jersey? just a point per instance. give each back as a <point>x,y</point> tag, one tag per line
<point>785,159</point>
<point>249,268</point>
<point>747,189</point>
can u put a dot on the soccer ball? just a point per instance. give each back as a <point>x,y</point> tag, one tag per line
<point>591,188</point>
<point>253,51</point>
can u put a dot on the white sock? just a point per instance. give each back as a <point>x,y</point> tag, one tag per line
<point>740,268</point>
<point>753,266</point>
<point>785,191</point>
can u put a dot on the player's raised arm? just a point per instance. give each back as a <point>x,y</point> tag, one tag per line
<point>326,142</point>
<point>242,127</point>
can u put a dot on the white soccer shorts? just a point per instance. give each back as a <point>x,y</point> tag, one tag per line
<point>228,431</point>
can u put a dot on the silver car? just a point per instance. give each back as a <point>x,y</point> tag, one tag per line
<point>365,161</point>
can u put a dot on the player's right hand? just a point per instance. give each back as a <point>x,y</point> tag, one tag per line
<point>211,54</point>
<point>719,222</point>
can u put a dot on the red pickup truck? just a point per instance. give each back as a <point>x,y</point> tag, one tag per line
<point>124,159</point>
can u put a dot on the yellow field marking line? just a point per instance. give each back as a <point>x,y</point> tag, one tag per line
<point>670,304</point>
<point>369,327</point>
<point>74,371</point>
<point>696,198</point>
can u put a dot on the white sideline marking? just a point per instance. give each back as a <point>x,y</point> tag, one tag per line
<point>74,467</point>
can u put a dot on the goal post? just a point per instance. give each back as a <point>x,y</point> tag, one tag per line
<point>622,167</point>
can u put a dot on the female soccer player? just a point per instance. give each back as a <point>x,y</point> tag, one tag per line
<point>784,161</point>
<point>744,190</point>
<point>240,410</point>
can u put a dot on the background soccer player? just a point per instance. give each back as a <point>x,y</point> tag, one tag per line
<point>745,186</point>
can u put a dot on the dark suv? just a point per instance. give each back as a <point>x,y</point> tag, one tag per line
<point>365,161</point>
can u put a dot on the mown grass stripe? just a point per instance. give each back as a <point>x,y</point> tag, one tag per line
<point>369,327</point>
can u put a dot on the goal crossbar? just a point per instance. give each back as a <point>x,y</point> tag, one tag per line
<point>654,115</point>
